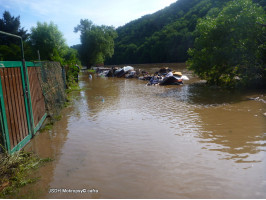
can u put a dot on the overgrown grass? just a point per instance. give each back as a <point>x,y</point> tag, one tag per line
<point>15,170</point>
<point>73,87</point>
<point>57,117</point>
<point>47,127</point>
<point>67,103</point>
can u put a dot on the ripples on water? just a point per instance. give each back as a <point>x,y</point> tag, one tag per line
<point>210,118</point>
<point>227,117</point>
<point>129,140</point>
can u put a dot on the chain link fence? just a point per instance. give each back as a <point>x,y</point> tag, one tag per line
<point>53,82</point>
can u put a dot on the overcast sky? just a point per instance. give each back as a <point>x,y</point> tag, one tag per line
<point>66,14</point>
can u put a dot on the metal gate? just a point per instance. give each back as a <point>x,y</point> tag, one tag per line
<point>22,103</point>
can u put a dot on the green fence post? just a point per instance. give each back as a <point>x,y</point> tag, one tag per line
<point>26,99</point>
<point>25,84</point>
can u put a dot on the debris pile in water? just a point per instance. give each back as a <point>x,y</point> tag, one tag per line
<point>164,76</point>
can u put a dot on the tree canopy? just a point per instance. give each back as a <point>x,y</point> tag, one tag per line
<point>49,41</point>
<point>230,47</point>
<point>97,42</point>
<point>166,35</point>
<point>9,46</point>
<point>11,24</point>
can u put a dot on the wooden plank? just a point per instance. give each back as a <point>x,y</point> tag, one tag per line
<point>6,92</point>
<point>17,106</point>
<point>22,100</point>
<point>21,118</point>
<point>30,84</point>
<point>6,123</point>
<point>14,106</point>
<point>38,104</point>
<point>32,91</point>
<point>17,103</point>
<point>8,106</point>
<point>36,97</point>
<point>35,87</point>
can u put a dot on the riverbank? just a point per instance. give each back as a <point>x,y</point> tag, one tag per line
<point>15,171</point>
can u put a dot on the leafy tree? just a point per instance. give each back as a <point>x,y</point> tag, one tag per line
<point>9,46</point>
<point>231,46</point>
<point>11,25</point>
<point>52,46</point>
<point>49,41</point>
<point>97,42</point>
<point>10,52</point>
<point>71,56</point>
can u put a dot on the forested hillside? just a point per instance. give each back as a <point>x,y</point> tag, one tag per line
<point>166,35</point>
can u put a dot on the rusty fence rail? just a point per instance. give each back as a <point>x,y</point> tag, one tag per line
<point>22,103</point>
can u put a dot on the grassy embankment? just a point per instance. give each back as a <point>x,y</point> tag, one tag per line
<point>15,171</point>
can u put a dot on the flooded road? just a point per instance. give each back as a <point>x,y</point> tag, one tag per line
<point>122,139</point>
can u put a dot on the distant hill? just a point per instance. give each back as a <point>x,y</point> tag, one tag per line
<point>166,35</point>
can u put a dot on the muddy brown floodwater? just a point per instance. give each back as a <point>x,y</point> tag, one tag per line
<point>122,139</point>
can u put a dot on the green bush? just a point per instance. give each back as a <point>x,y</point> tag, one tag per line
<point>230,48</point>
<point>72,74</point>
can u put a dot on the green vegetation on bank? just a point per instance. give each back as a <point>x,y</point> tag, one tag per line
<point>49,42</point>
<point>15,171</point>
<point>166,35</point>
<point>230,46</point>
<point>97,42</point>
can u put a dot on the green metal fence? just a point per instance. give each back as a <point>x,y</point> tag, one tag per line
<point>21,102</point>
